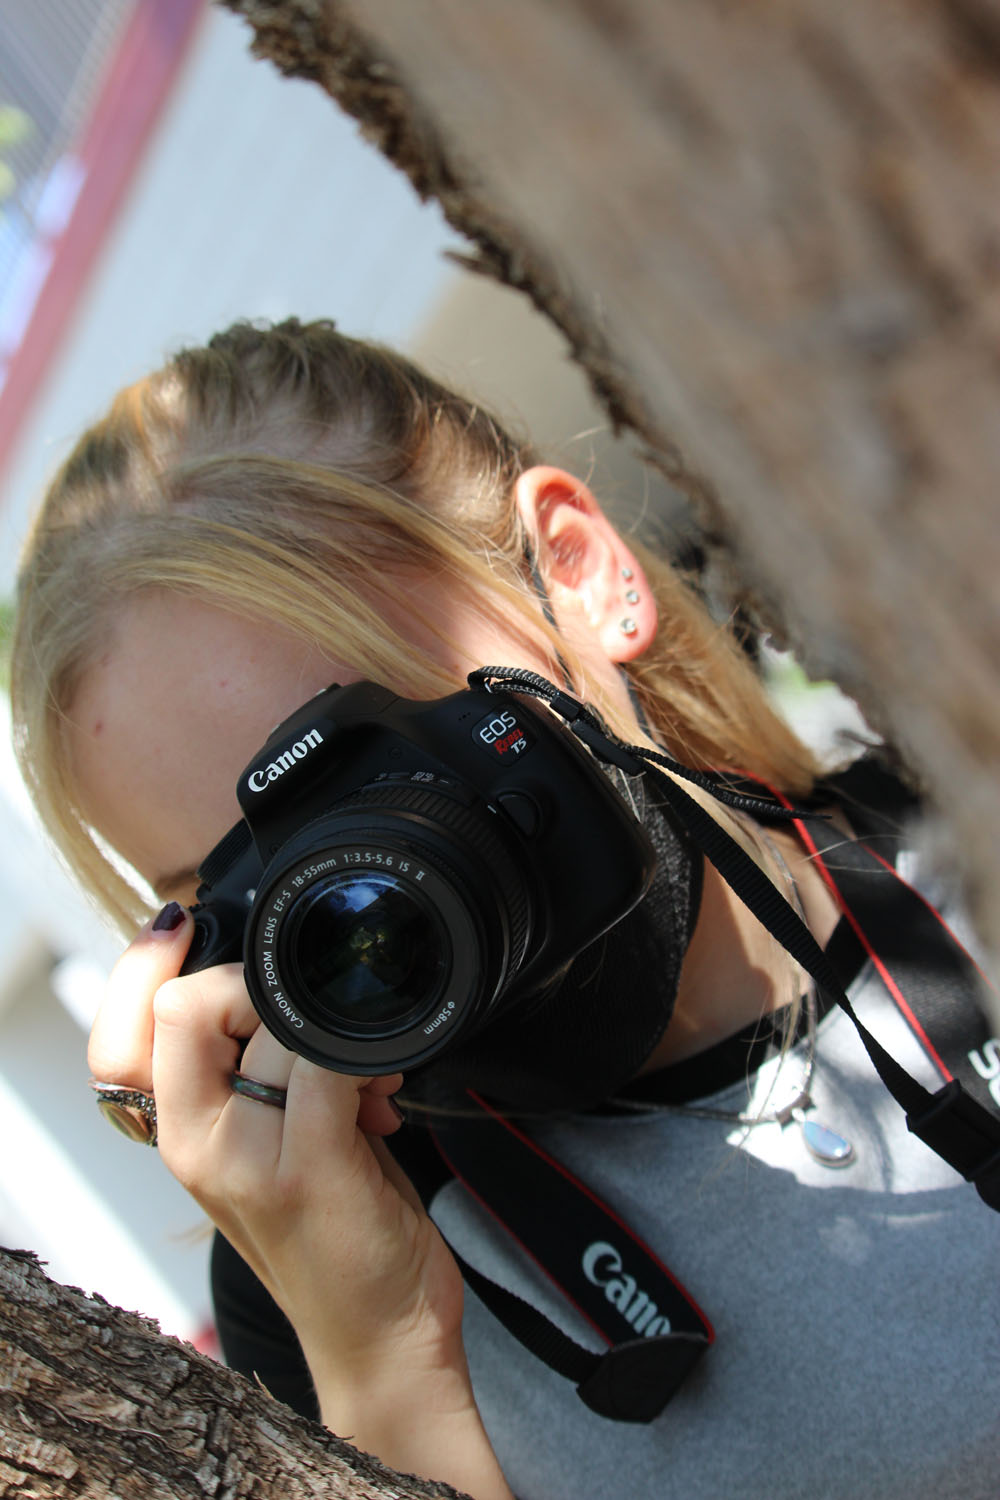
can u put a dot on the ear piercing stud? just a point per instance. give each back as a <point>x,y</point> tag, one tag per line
<point>627,626</point>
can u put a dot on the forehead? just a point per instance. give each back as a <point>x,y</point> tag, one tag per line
<point>162,723</point>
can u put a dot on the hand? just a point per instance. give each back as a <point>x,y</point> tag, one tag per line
<point>312,1200</point>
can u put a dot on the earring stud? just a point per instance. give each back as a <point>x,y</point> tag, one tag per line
<point>628,626</point>
<point>627,573</point>
<point>631,596</point>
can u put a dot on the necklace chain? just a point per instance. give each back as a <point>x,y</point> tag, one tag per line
<point>825,1145</point>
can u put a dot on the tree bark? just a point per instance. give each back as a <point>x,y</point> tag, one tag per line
<point>771,235</point>
<point>96,1404</point>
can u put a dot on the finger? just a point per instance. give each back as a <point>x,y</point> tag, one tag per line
<point>378,1113</point>
<point>374,1114</point>
<point>323,1116</point>
<point>386,1083</point>
<point>257,1125</point>
<point>121,1041</point>
<point>237,1150</point>
<point>378,1116</point>
<point>266,1060</point>
<point>201,1026</point>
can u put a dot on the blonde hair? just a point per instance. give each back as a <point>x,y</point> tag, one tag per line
<point>285,473</point>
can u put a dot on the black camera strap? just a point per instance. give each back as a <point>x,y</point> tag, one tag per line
<point>930,976</point>
<point>960,1129</point>
<point>655,1330</point>
<point>599,1265</point>
<point>594,1259</point>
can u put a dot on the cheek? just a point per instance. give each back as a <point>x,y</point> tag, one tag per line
<point>161,800</point>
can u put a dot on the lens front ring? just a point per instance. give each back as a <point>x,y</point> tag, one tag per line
<point>366,951</point>
<point>354,1044</point>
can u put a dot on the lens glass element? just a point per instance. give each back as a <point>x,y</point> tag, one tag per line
<point>367,950</point>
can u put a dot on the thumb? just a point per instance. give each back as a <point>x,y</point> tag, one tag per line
<point>121,1042</point>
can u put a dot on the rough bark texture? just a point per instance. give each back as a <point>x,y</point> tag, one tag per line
<point>771,234</point>
<point>96,1404</point>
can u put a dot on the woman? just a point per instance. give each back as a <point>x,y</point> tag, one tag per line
<point>289,508</point>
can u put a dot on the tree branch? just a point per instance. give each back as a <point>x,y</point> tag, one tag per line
<point>95,1402</point>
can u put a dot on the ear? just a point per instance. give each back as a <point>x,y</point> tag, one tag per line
<point>593,579</point>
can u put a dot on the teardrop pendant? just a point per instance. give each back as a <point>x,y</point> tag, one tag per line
<point>825,1145</point>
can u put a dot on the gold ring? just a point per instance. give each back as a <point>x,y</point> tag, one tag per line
<point>130,1111</point>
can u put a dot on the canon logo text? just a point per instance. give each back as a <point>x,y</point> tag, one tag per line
<point>258,780</point>
<point>602,1265</point>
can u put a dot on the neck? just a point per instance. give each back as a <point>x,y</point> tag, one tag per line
<point>734,972</point>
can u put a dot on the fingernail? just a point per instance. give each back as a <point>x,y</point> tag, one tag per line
<point>397,1111</point>
<point>170,918</point>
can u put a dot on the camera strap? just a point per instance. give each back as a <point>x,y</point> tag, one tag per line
<point>655,1329</point>
<point>593,1258</point>
<point>929,975</point>
<point>950,1121</point>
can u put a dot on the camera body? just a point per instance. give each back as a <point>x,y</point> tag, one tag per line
<point>405,868</point>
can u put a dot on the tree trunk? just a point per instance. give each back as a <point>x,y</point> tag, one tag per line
<point>771,235</point>
<point>96,1404</point>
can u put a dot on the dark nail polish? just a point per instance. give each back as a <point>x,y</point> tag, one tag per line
<point>170,918</point>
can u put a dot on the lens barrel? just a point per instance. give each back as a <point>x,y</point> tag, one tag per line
<point>386,926</point>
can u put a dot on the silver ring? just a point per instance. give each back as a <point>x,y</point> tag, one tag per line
<point>130,1111</point>
<point>262,1093</point>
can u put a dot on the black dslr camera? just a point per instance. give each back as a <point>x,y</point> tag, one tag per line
<point>404,869</point>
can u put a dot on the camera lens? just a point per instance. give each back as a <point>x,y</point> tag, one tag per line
<point>367,952</point>
<point>386,926</point>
